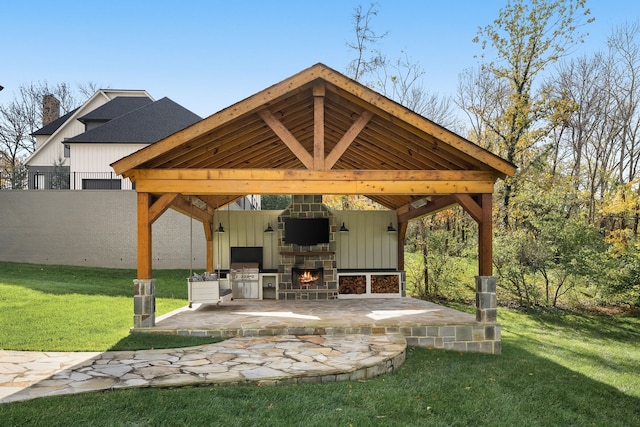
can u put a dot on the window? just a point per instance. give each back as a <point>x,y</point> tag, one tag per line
<point>67,151</point>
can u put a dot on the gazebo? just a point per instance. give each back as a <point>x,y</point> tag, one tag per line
<point>316,132</point>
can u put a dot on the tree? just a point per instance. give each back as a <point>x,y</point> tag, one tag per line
<point>600,134</point>
<point>625,55</point>
<point>399,80</point>
<point>274,202</point>
<point>526,38</point>
<point>14,142</point>
<point>625,52</point>
<point>623,279</point>
<point>588,139</point>
<point>60,177</point>
<point>365,43</point>
<point>566,250</point>
<point>21,117</point>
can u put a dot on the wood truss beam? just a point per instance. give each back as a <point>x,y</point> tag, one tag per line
<point>430,208</point>
<point>479,208</point>
<point>287,137</point>
<point>347,139</point>
<point>184,206</point>
<point>318,126</point>
<point>264,181</point>
<point>471,206</point>
<point>287,174</point>
<point>161,205</point>
<point>317,161</point>
<point>208,235</point>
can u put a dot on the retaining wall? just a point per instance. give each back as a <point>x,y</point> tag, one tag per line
<point>92,228</point>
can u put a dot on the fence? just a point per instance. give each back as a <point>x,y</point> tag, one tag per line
<point>64,180</point>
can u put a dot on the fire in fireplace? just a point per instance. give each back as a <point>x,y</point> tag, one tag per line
<point>305,277</point>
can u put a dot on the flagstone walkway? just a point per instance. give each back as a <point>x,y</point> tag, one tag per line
<point>284,359</point>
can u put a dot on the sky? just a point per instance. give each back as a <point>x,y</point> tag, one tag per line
<point>209,54</point>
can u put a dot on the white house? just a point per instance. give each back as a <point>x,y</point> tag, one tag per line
<point>74,151</point>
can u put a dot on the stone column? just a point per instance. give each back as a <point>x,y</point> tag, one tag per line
<point>486,301</point>
<point>144,303</point>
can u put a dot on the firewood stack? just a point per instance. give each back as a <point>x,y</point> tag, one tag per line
<point>385,284</point>
<point>352,285</point>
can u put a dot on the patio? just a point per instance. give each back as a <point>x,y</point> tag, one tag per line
<point>422,323</point>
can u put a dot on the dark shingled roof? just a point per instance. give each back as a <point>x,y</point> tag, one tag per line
<point>117,107</point>
<point>50,128</point>
<point>145,125</point>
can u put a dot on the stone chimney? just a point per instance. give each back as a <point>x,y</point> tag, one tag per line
<point>50,109</point>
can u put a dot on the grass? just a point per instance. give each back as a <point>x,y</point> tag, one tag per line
<point>558,368</point>
<point>62,308</point>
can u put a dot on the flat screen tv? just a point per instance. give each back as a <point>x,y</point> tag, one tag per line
<point>306,231</point>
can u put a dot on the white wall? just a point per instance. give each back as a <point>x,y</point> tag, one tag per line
<point>367,244</point>
<point>98,157</point>
<point>54,149</point>
<point>246,228</point>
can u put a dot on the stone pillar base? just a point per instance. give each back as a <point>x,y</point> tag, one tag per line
<point>486,300</point>
<point>144,303</point>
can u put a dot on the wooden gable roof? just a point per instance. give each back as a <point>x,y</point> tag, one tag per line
<point>317,132</point>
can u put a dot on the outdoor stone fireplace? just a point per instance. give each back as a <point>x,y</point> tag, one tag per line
<point>317,260</point>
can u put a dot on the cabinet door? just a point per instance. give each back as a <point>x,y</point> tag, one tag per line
<point>251,290</point>
<point>246,290</point>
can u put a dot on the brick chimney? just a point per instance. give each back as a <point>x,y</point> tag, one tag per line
<point>50,109</point>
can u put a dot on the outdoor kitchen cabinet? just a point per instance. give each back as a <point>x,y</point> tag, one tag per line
<point>269,285</point>
<point>245,283</point>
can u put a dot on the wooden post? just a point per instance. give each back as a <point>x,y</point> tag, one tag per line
<point>144,236</point>
<point>402,232</point>
<point>485,236</point>
<point>208,234</point>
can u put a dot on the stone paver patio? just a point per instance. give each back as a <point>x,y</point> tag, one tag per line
<point>422,323</point>
<point>271,342</point>
<point>259,360</point>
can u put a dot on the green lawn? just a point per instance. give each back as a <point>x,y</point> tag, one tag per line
<point>558,368</point>
<point>61,308</point>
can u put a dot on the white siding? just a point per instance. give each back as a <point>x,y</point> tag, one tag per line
<point>93,161</point>
<point>98,157</point>
<point>53,149</point>
<point>367,244</point>
<point>245,228</point>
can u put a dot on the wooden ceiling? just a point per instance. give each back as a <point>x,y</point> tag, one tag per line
<point>317,132</point>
